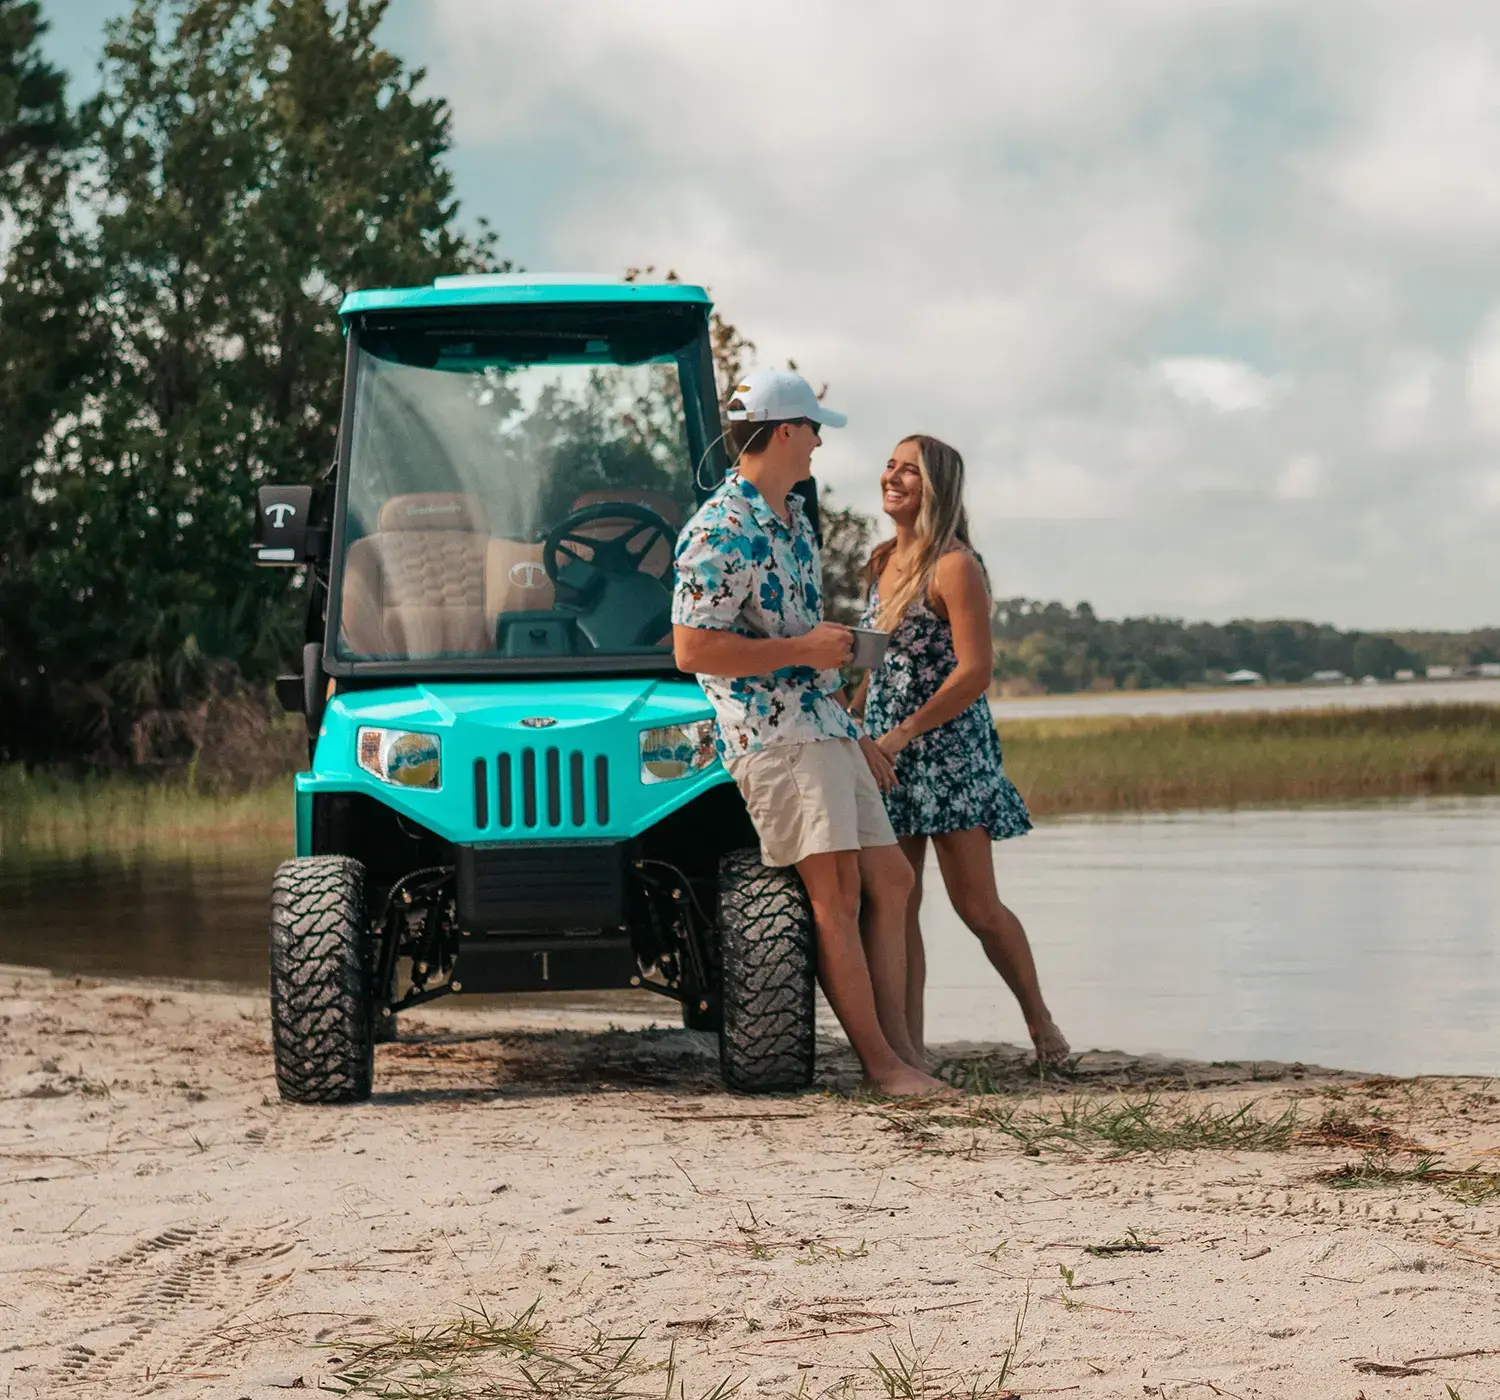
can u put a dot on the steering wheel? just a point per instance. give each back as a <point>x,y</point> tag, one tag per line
<point>621,555</point>
<point>617,602</point>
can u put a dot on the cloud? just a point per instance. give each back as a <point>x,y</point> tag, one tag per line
<point>1300,479</point>
<point>1225,386</point>
<point>1484,378</point>
<point>1152,268</point>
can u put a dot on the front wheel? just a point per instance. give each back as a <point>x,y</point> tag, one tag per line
<point>769,951</point>
<point>322,1001</point>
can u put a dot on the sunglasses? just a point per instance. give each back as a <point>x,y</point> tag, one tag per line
<point>816,427</point>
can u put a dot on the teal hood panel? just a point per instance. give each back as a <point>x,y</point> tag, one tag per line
<point>521,760</point>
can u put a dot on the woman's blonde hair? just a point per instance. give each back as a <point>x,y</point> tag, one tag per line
<point>942,525</point>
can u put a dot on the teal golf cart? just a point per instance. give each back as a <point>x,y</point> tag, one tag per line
<point>511,787</point>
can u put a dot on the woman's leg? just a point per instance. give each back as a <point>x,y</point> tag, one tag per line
<point>966,859</point>
<point>914,848</point>
<point>832,881</point>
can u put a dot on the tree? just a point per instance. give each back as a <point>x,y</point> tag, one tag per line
<point>254,160</point>
<point>50,344</point>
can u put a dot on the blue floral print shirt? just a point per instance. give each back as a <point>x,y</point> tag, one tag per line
<point>741,568</point>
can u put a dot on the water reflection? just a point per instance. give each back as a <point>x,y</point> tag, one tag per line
<point>1365,938</point>
<point>201,917</point>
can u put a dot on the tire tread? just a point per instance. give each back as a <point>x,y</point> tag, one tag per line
<point>322,1029</point>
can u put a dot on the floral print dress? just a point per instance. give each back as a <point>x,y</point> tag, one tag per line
<point>951,778</point>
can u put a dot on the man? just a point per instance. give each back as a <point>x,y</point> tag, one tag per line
<point>748,620</point>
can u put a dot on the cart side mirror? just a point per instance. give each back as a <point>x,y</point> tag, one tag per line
<point>283,536</point>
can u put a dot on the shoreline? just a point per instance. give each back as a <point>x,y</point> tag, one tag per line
<point>173,1229</point>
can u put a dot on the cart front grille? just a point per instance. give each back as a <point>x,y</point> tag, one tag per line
<point>545,789</point>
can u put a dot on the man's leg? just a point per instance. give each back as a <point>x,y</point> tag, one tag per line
<point>886,883</point>
<point>832,881</point>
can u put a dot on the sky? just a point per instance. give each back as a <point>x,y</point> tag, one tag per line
<point>1207,292</point>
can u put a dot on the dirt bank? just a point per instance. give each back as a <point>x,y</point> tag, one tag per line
<point>168,1227</point>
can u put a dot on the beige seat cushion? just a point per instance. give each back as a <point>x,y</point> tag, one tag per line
<point>416,586</point>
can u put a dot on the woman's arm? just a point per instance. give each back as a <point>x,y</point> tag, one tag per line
<point>959,586</point>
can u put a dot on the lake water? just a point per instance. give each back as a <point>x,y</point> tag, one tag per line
<point>1358,937</point>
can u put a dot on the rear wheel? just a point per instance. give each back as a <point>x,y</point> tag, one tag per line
<point>766,1041</point>
<point>322,1002</point>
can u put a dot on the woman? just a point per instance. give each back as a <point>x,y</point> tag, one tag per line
<point>925,707</point>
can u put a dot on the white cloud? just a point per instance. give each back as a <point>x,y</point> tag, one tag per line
<point>1301,479</point>
<point>1226,386</point>
<point>983,219</point>
<point>1484,377</point>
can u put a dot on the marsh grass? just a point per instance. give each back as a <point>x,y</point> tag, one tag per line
<point>1150,1123</point>
<point>1108,764</point>
<point>1114,763</point>
<point>45,812</point>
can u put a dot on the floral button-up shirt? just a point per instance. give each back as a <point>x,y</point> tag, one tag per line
<point>741,568</point>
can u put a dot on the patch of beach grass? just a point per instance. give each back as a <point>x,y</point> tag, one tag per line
<point>1161,763</point>
<point>1151,1123</point>
<point>1379,1170</point>
<point>477,1357</point>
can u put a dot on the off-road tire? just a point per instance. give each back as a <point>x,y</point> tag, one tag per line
<point>322,1003</point>
<point>769,952</point>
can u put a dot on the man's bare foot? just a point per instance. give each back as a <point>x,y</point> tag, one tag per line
<point>904,1082</point>
<point>1052,1047</point>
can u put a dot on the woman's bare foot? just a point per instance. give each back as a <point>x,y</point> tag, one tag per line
<point>904,1082</point>
<point>1052,1047</point>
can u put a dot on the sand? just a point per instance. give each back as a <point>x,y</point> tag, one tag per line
<point>168,1227</point>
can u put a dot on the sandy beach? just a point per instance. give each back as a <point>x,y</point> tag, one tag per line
<point>540,1202</point>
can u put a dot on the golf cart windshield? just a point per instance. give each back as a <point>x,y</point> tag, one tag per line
<point>515,484</point>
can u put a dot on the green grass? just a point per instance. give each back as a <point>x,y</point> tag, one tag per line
<point>1150,1123</point>
<point>477,1357</point>
<point>1113,764</point>
<point>1381,1170</point>
<point>45,812</point>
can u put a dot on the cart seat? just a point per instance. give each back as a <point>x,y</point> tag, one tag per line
<point>415,587</point>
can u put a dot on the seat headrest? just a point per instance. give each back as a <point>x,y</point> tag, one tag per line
<point>431,510</point>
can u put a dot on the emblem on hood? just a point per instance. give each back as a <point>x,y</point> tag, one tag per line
<point>538,721</point>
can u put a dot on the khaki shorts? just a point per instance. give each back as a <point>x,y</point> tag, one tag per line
<point>806,799</point>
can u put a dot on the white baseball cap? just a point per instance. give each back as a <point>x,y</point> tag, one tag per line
<point>776,396</point>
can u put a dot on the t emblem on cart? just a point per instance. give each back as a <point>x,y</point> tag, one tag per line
<point>528,574</point>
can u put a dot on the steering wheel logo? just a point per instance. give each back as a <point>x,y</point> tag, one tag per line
<point>528,574</point>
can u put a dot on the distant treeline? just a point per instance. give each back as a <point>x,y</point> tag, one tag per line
<point>1052,647</point>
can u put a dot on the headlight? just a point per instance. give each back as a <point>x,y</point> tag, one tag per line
<point>676,751</point>
<point>402,757</point>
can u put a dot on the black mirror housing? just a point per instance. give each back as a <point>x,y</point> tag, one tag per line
<point>282,534</point>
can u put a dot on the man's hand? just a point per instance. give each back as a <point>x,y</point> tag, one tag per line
<point>881,767</point>
<point>827,647</point>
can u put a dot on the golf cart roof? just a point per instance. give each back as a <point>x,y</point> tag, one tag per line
<point>520,288</point>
